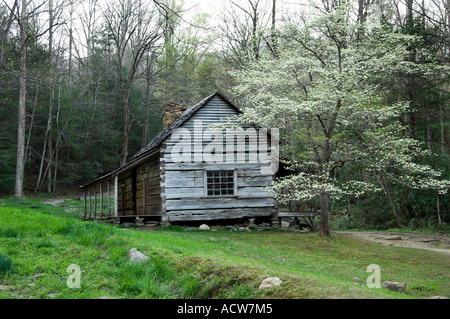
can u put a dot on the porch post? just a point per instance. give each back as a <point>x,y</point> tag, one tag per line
<point>90,202</point>
<point>84,216</point>
<point>109,197</point>
<point>101,199</point>
<point>95,201</point>
<point>116,191</point>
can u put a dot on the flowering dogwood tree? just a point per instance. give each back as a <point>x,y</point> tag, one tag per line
<point>323,92</point>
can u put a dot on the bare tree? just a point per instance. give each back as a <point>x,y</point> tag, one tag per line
<point>55,10</point>
<point>243,26</point>
<point>26,15</point>
<point>20,159</point>
<point>134,29</point>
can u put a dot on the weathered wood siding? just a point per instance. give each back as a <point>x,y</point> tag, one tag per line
<point>139,191</point>
<point>183,184</point>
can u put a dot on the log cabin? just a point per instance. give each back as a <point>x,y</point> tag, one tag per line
<point>209,182</point>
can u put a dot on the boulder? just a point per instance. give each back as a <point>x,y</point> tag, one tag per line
<point>203,227</point>
<point>394,286</point>
<point>270,282</point>
<point>136,256</point>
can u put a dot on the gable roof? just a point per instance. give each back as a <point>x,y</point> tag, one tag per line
<point>154,144</point>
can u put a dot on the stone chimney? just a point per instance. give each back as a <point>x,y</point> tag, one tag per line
<point>173,111</point>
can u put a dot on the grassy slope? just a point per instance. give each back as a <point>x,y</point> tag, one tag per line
<point>42,241</point>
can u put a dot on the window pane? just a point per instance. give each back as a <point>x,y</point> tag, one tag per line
<point>220,183</point>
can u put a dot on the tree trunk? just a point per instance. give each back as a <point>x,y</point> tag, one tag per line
<point>18,189</point>
<point>391,202</point>
<point>27,149</point>
<point>51,95</point>
<point>441,120</point>
<point>324,215</point>
<point>429,135</point>
<point>361,20</point>
<point>438,208</point>
<point>70,45</point>
<point>126,126</point>
<point>58,139</point>
<point>273,29</point>
<point>147,99</point>
<point>20,167</point>
<point>49,159</point>
<point>147,114</point>
<point>44,148</point>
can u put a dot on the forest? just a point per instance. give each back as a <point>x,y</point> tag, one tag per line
<point>359,90</point>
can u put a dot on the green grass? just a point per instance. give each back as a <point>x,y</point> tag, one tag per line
<point>41,241</point>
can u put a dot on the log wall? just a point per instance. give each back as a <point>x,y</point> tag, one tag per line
<point>183,185</point>
<point>139,191</point>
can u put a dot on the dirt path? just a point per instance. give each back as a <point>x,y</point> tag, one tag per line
<point>55,201</point>
<point>437,243</point>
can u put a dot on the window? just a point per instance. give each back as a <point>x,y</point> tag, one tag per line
<point>220,183</point>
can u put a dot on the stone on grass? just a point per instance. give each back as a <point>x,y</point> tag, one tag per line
<point>270,282</point>
<point>395,286</point>
<point>423,287</point>
<point>136,256</point>
<point>203,227</point>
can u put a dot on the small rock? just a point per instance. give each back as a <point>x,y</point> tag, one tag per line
<point>189,229</point>
<point>423,287</point>
<point>151,223</point>
<point>136,256</point>
<point>53,295</point>
<point>270,282</point>
<point>437,297</point>
<point>356,279</point>
<point>393,238</point>
<point>231,228</point>
<point>395,286</point>
<point>430,240</point>
<point>203,227</point>
<point>285,224</point>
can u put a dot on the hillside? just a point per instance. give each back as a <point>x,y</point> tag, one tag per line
<point>43,240</point>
